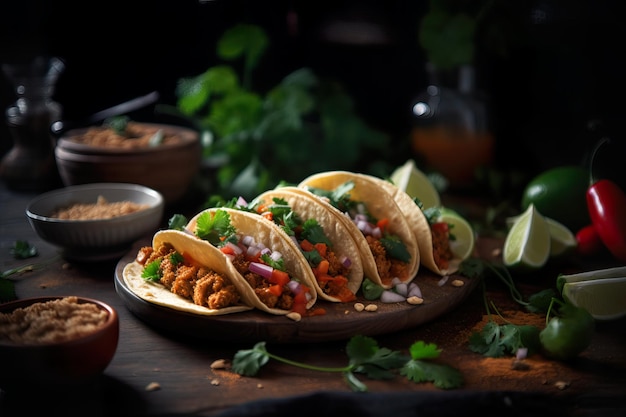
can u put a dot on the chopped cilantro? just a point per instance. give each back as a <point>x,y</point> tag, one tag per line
<point>395,248</point>
<point>152,271</point>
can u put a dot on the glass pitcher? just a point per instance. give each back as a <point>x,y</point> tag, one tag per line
<point>30,164</point>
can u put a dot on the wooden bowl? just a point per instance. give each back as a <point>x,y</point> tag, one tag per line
<point>29,361</point>
<point>168,168</point>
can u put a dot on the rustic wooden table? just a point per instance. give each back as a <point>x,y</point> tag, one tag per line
<point>592,384</point>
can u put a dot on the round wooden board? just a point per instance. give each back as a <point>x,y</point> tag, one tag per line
<point>340,322</point>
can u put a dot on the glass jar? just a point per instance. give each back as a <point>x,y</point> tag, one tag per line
<point>451,132</point>
<point>30,164</point>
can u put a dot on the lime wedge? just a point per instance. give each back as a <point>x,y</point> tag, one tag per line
<point>604,299</point>
<point>463,244</point>
<point>527,244</point>
<point>415,183</point>
<point>562,240</point>
<point>615,272</point>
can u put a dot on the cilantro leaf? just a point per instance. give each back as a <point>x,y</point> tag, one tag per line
<point>314,232</point>
<point>395,248</point>
<point>152,271</point>
<point>214,227</point>
<point>442,376</point>
<point>177,222</point>
<point>22,250</point>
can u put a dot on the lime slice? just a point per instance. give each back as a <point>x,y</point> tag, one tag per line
<point>463,244</point>
<point>527,244</point>
<point>604,299</point>
<point>562,240</point>
<point>415,183</point>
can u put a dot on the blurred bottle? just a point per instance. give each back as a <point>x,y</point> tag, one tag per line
<point>30,165</point>
<point>451,131</point>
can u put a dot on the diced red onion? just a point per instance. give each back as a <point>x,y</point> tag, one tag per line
<point>389,296</point>
<point>414,290</point>
<point>402,289</point>
<point>262,269</point>
<point>276,255</point>
<point>248,240</point>
<point>376,232</point>
<point>242,201</point>
<point>253,251</point>
<point>265,251</point>
<point>345,261</point>
<point>294,286</point>
<point>521,353</point>
<point>360,217</point>
<point>364,226</point>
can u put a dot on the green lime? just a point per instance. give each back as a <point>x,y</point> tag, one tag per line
<point>415,183</point>
<point>604,299</point>
<point>560,194</point>
<point>562,239</point>
<point>527,244</point>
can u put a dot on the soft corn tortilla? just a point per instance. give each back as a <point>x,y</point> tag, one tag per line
<point>206,255</point>
<point>272,236</point>
<point>309,206</point>
<point>380,205</point>
<point>420,226</point>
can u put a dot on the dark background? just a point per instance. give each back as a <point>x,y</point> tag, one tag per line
<point>561,69</point>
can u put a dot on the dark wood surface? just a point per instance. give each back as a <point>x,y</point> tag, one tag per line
<point>180,364</point>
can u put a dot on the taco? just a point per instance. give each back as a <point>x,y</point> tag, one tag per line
<point>328,246</point>
<point>388,247</point>
<point>183,273</point>
<point>433,237</point>
<point>267,260</point>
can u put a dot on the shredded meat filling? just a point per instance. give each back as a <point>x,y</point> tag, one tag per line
<point>198,284</point>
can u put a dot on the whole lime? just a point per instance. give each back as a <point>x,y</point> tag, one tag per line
<point>560,194</point>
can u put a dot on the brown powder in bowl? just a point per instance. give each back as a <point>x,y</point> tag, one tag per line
<point>51,321</point>
<point>102,209</point>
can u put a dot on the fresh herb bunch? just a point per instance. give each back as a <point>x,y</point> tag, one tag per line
<point>567,333</point>
<point>366,357</point>
<point>255,140</point>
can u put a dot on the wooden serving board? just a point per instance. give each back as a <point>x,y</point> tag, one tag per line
<point>340,322</point>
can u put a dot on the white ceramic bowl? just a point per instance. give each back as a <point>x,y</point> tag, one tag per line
<point>96,239</point>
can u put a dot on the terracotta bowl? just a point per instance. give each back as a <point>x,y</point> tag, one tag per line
<point>168,167</point>
<point>98,238</point>
<point>30,361</point>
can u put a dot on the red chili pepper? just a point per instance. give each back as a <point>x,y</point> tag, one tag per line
<point>606,203</point>
<point>589,242</point>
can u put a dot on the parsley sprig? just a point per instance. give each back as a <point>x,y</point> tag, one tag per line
<point>367,358</point>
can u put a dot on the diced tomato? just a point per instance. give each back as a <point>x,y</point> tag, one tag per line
<point>228,250</point>
<point>322,267</point>
<point>299,303</point>
<point>306,245</point>
<point>268,215</point>
<point>382,224</point>
<point>276,290</point>
<point>279,277</point>
<point>440,227</point>
<point>321,248</point>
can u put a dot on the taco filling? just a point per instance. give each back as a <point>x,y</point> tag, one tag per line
<point>390,253</point>
<point>186,278</point>
<point>331,270</point>
<point>263,268</point>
